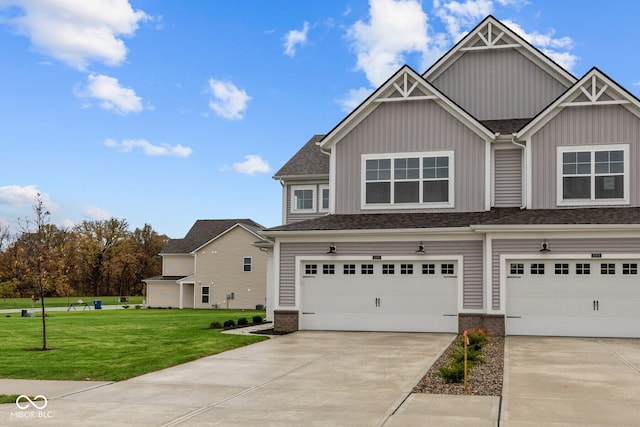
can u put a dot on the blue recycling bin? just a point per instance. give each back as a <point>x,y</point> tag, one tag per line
<point>97,304</point>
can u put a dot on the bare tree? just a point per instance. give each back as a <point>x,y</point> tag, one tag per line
<point>36,235</point>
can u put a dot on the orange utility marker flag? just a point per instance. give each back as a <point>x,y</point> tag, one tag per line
<point>466,344</point>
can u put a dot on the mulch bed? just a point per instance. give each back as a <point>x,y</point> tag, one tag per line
<point>485,379</point>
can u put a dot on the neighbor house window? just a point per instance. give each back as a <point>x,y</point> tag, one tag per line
<point>324,198</point>
<point>593,175</point>
<point>205,295</point>
<point>408,180</point>
<point>246,263</point>
<point>303,198</point>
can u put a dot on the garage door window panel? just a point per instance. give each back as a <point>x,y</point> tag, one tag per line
<point>310,269</point>
<point>388,268</point>
<point>631,268</point>
<point>561,268</point>
<point>328,269</point>
<point>447,269</point>
<point>607,268</point>
<point>537,268</point>
<point>428,269</point>
<point>583,268</point>
<point>366,269</point>
<point>349,269</point>
<point>516,269</point>
<point>406,268</point>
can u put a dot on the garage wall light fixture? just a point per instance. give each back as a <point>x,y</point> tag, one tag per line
<point>332,249</point>
<point>544,247</point>
<point>420,248</point>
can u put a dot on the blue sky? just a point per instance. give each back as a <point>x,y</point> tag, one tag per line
<point>165,112</point>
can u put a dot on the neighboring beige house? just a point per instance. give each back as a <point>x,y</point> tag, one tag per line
<point>216,265</point>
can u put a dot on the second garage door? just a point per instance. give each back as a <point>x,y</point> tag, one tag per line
<point>573,298</point>
<point>404,296</point>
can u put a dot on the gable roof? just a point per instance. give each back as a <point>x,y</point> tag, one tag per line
<point>493,34</point>
<point>206,230</point>
<point>594,88</point>
<point>405,85</point>
<point>308,162</point>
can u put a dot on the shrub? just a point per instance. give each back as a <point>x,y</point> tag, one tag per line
<point>452,373</point>
<point>478,338</point>
<point>243,321</point>
<point>229,324</point>
<point>215,325</point>
<point>257,319</point>
<point>473,355</point>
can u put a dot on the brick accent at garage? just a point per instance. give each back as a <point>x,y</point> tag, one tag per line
<point>494,322</point>
<point>285,321</point>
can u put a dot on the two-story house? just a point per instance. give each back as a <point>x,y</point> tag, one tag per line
<point>218,264</point>
<point>494,190</point>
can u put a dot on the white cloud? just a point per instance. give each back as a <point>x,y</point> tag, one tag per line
<point>20,196</point>
<point>228,101</point>
<point>149,149</point>
<point>354,98</point>
<point>395,28</point>
<point>294,38</point>
<point>458,16</point>
<point>556,48</point>
<point>253,164</point>
<point>96,213</point>
<point>110,94</point>
<point>77,31</point>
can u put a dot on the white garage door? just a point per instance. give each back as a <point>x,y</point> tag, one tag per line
<point>380,296</point>
<point>591,298</point>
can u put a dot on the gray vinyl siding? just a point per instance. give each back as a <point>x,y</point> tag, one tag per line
<point>292,217</point>
<point>570,246</point>
<point>508,178</point>
<point>498,84</point>
<point>414,126</point>
<point>582,126</point>
<point>470,250</point>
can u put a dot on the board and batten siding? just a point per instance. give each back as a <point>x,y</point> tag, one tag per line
<point>498,84</point>
<point>507,178</point>
<point>589,125</point>
<point>412,126</point>
<point>470,250</point>
<point>557,246</point>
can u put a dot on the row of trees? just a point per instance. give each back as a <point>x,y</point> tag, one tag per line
<point>93,258</point>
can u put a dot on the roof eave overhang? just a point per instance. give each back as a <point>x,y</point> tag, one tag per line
<point>555,227</point>
<point>300,177</point>
<point>363,232</point>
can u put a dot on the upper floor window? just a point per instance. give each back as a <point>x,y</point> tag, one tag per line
<point>408,180</point>
<point>324,198</point>
<point>246,263</point>
<point>595,175</point>
<point>303,198</point>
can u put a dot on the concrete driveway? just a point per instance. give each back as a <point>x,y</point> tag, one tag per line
<point>565,382</point>
<point>305,378</point>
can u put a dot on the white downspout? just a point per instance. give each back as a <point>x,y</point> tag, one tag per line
<point>524,170</point>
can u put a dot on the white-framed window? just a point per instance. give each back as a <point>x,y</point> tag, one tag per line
<point>446,269</point>
<point>328,269</point>
<point>516,268</point>
<point>583,268</point>
<point>537,268</point>
<point>607,268</point>
<point>366,269</point>
<point>310,269</point>
<point>205,295</point>
<point>324,198</point>
<point>631,268</point>
<point>303,198</point>
<point>428,269</point>
<point>406,268</point>
<point>593,175</point>
<point>246,263</point>
<point>407,180</point>
<point>349,269</point>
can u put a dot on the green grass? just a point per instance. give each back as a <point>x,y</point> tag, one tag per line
<point>12,303</point>
<point>8,398</point>
<point>112,345</point>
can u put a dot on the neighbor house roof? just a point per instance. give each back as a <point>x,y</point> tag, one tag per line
<point>205,230</point>
<point>308,162</point>
<point>494,217</point>
<point>171,279</point>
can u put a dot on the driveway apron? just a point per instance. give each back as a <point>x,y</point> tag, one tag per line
<point>565,382</point>
<point>305,378</point>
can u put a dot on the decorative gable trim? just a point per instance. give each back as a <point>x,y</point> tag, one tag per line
<point>492,34</point>
<point>594,88</point>
<point>405,85</point>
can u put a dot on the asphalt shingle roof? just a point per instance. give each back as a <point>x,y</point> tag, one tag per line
<point>205,230</point>
<point>309,160</point>
<point>496,216</point>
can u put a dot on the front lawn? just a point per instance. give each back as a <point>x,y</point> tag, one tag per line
<point>13,303</point>
<point>113,345</point>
